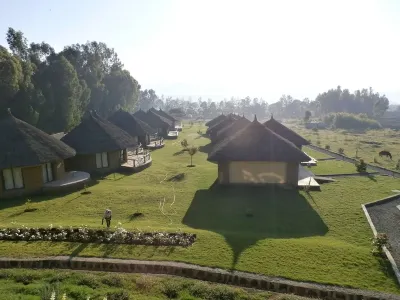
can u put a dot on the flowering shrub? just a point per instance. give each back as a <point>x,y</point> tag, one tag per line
<point>84,234</point>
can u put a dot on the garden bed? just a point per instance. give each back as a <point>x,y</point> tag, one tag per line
<point>86,235</point>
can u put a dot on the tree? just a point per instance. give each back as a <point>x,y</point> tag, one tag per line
<point>192,151</point>
<point>184,144</point>
<point>11,76</point>
<point>63,91</point>
<point>307,115</point>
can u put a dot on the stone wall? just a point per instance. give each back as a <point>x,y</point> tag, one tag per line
<point>246,280</point>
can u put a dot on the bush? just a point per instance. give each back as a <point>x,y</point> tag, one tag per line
<point>327,147</point>
<point>145,283</point>
<point>361,166</point>
<point>171,289</point>
<point>379,242</point>
<point>113,281</point>
<point>88,280</point>
<point>398,165</point>
<point>341,151</point>
<point>120,295</point>
<point>351,121</point>
<point>86,235</point>
<point>318,142</point>
<point>315,129</point>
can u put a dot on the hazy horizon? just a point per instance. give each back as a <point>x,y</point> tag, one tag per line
<point>220,49</point>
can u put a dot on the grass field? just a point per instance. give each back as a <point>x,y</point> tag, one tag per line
<point>38,285</point>
<point>369,143</point>
<point>322,237</point>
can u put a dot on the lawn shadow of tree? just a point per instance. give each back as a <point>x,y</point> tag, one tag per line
<point>207,148</point>
<point>245,215</point>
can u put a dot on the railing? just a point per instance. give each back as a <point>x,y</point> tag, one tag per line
<point>141,160</point>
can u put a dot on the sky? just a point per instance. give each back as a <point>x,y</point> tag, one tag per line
<point>218,49</point>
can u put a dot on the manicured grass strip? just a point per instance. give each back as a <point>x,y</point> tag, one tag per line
<point>315,154</point>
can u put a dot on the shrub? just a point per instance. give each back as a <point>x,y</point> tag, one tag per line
<point>24,278</point>
<point>318,142</point>
<point>171,289</point>
<point>376,160</point>
<point>88,280</point>
<point>120,295</point>
<point>145,283</point>
<point>327,147</point>
<point>84,234</point>
<point>379,242</point>
<point>341,151</point>
<point>315,129</point>
<point>351,121</point>
<point>113,281</point>
<point>361,166</point>
<point>184,144</point>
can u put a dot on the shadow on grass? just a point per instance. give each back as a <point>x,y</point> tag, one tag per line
<point>53,195</point>
<point>78,250</point>
<point>206,149</point>
<point>245,215</point>
<point>179,153</point>
<point>371,177</point>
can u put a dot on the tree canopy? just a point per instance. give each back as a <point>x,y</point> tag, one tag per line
<point>53,91</point>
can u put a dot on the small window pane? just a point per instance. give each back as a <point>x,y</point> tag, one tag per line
<point>44,174</point>
<point>49,172</point>
<point>104,159</point>
<point>18,182</point>
<point>98,160</point>
<point>8,180</point>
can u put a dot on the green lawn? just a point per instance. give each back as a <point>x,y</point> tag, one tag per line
<point>323,237</point>
<point>38,285</point>
<point>333,167</point>
<point>315,154</point>
<point>369,143</point>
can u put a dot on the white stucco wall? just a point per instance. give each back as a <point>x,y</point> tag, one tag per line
<point>257,172</point>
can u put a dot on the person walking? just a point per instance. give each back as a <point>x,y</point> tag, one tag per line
<point>107,217</point>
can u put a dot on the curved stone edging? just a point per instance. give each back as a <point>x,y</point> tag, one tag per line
<point>242,279</point>
<point>371,224</point>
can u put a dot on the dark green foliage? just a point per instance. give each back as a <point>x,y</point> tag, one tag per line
<point>341,150</point>
<point>327,147</point>
<point>88,280</point>
<point>361,166</point>
<point>351,121</point>
<point>171,289</point>
<point>113,280</point>
<point>120,295</point>
<point>54,90</point>
<point>307,115</point>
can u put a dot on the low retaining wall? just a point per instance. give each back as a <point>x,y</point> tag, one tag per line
<point>242,279</point>
<point>371,224</point>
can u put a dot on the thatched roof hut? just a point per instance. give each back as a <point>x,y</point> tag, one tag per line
<point>22,144</point>
<point>131,124</point>
<point>286,133</point>
<point>255,142</point>
<point>216,120</point>
<point>213,130</point>
<point>163,114</point>
<point>95,135</point>
<point>231,129</point>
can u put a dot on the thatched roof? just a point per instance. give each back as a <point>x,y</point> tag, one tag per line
<point>163,114</point>
<point>225,122</point>
<point>232,128</point>
<point>216,120</point>
<point>153,119</point>
<point>22,144</point>
<point>256,142</point>
<point>285,132</point>
<point>96,134</point>
<point>131,124</point>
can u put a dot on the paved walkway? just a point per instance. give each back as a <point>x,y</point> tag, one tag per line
<point>381,171</point>
<point>238,278</point>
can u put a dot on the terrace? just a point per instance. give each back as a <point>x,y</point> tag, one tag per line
<point>73,180</point>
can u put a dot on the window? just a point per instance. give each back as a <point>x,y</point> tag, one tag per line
<point>47,173</point>
<point>122,156</point>
<point>102,160</point>
<point>13,179</point>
